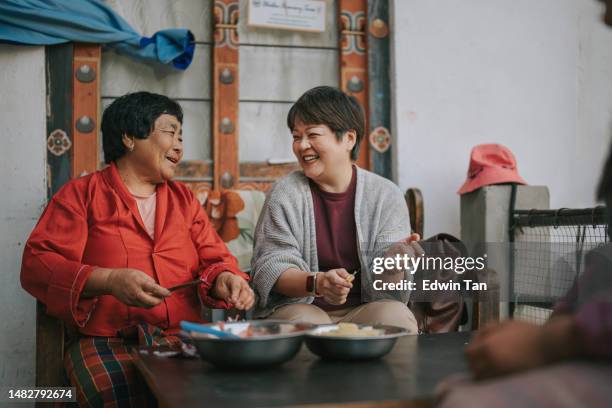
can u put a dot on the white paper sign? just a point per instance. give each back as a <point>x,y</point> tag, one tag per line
<point>300,15</point>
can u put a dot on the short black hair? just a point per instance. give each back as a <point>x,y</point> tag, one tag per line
<point>133,114</point>
<point>332,107</point>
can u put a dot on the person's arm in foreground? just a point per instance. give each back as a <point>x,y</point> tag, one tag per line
<point>515,346</point>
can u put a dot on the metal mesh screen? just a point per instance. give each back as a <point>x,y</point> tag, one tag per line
<point>547,256</point>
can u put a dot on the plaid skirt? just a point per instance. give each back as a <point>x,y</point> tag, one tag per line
<point>102,368</point>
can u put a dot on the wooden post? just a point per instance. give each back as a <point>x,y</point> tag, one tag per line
<point>354,62</point>
<point>85,109</point>
<point>72,150</point>
<point>380,87</point>
<point>59,141</point>
<point>59,116</point>
<point>225,93</point>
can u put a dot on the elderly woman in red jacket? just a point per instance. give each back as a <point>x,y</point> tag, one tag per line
<point>109,244</point>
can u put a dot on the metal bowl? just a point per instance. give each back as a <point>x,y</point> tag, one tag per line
<point>273,342</point>
<point>353,347</point>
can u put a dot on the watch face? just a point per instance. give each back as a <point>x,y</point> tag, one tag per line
<point>310,284</point>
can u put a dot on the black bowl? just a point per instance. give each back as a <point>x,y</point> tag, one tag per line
<point>353,347</point>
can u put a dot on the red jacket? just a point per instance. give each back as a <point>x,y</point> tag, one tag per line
<point>93,221</point>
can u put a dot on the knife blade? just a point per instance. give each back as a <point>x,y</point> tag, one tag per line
<point>185,285</point>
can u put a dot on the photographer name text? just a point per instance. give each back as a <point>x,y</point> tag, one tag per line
<point>430,285</point>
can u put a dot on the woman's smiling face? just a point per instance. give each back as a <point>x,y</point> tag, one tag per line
<point>158,155</point>
<point>320,154</point>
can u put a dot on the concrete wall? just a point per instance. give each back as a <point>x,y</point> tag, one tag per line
<point>23,190</point>
<point>533,75</point>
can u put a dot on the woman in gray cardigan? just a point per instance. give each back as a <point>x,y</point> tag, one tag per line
<point>323,230</point>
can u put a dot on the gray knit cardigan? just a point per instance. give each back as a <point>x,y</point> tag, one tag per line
<point>285,235</point>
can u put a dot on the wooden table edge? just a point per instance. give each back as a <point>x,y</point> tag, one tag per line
<point>149,379</point>
<point>416,403</point>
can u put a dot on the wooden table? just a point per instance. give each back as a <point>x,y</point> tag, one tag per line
<point>410,372</point>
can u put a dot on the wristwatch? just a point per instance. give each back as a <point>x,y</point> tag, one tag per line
<point>311,284</point>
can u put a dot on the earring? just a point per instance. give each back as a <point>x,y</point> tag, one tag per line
<point>131,148</point>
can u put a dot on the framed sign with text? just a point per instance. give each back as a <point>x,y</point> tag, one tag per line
<point>297,15</point>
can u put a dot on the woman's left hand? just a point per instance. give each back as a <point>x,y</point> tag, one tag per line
<point>233,289</point>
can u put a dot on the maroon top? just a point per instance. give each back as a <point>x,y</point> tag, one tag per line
<point>337,237</point>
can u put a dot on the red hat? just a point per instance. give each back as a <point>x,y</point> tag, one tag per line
<point>490,164</point>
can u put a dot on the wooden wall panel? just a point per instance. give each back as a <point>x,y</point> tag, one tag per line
<point>225,93</point>
<point>196,130</point>
<point>255,185</point>
<point>122,74</point>
<point>149,16</point>
<point>284,74</point>
<point>199,171</point>
<point>379,134</point>
<point>195,169</point>
<point>85,109</point>
<point>264,132</point>
<point>354,60</point>
<point>257,170</point>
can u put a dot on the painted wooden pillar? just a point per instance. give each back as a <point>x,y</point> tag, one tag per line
<point>380,87</point>
<point>72,149</point>
<point>85,108</point>
<point>354,61</point>
<point>59,116</point>
<point>225,93</point>
<point>49,330</point>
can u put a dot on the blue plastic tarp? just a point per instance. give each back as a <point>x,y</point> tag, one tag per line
<point>48,22</point>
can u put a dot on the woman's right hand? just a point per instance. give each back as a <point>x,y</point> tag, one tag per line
<point>334,285</point>
<point>135,288</point>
